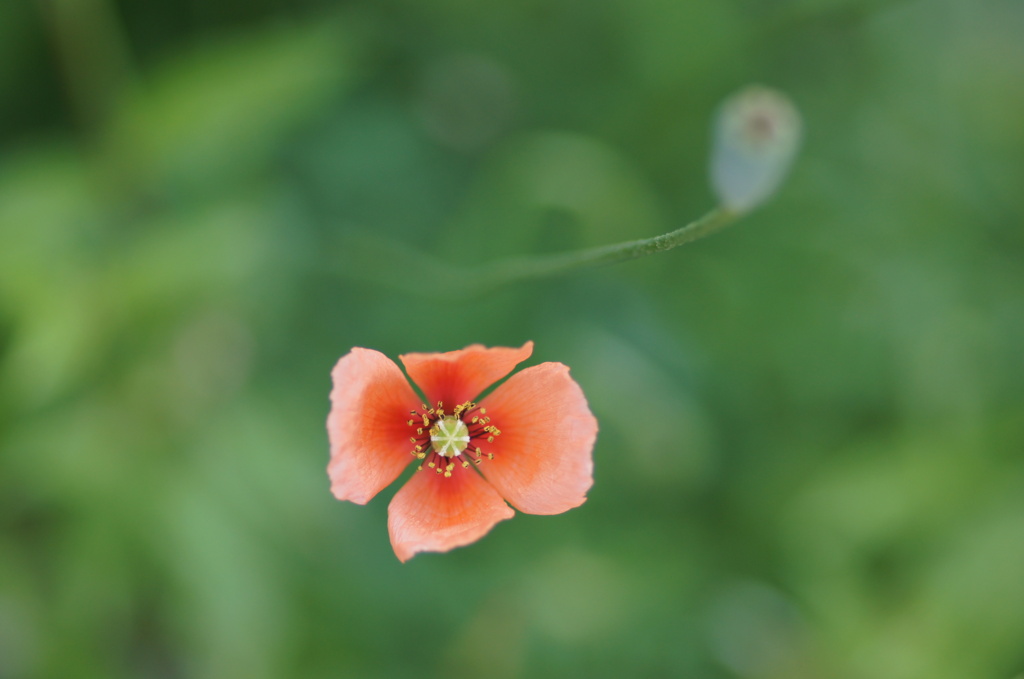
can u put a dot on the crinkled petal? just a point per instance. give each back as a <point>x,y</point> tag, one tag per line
<point>455,377</point>
<point>367,428</point>
<point>543,460</point>
<point>434,514</point>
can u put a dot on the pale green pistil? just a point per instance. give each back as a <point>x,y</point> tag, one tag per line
<point>449,437</point>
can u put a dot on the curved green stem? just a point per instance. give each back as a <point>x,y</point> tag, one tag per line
<point>414,272</point>
<point>542,266</point>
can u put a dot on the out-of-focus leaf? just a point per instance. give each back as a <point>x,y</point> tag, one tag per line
<point>50,226</point>
<point>49,218</point>
<point>217,112</point>
<point>68,317</point>
<point>226,611</point>
<point>202,253</point>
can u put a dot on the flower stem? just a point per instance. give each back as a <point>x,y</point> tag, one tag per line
<point>424,275</point>
<point>542,266</point>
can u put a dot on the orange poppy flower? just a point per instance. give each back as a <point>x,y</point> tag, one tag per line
<point>530,440</point>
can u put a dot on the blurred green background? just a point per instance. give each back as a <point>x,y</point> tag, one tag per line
<point>811,459</point>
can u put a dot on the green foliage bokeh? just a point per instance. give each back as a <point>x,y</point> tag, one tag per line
<point>811,458</point>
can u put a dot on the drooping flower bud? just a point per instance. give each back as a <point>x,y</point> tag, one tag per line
<point>756,135</point>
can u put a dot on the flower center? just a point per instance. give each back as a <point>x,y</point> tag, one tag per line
<point>449,436</point>
<point>440,437</point>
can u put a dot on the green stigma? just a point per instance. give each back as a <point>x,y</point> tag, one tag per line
<point>449,437</point>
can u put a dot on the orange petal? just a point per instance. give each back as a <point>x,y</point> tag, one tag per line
<point>367,428</point>
<point>459,376</point>
<point>434,514</point>
<point>542,458</point>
